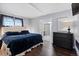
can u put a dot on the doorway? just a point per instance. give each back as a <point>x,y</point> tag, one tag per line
<point>46,31</point>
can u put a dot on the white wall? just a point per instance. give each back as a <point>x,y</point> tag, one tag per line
<point>36,23</point>
<point>26,23</point>
<point>76,27</point>
<point>50,18</point>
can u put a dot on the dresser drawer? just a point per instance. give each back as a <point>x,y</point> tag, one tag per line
<point>63,40</point>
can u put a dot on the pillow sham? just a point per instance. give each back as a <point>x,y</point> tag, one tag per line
<point>25,32</point>
<point>12,33</point>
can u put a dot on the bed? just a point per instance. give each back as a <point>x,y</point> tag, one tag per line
<point>20,42</point>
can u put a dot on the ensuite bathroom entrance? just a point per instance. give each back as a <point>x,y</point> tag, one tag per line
<point>46,31</point>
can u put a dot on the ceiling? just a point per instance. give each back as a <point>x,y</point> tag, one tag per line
<point>32,10</point>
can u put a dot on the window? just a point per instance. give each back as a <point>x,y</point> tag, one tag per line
<point>10,21</point>
<point>18,22</point>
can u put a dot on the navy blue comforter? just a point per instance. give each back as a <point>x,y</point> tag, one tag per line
<point>20,43</point>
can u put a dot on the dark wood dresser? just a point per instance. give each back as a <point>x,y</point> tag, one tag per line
<point>64,40</point>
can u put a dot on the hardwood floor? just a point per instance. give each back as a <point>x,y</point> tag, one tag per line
<point>47,49</point>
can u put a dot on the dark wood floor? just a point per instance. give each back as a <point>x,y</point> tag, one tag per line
<point>47,49</point>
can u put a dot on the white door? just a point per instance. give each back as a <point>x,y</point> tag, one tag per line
<point>47,32</point>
